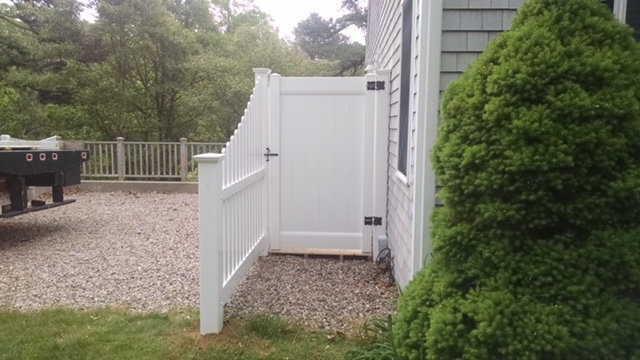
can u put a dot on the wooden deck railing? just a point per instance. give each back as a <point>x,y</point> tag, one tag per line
<point>124,160</point>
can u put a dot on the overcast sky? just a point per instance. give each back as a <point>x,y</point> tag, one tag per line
<point>287,13</point>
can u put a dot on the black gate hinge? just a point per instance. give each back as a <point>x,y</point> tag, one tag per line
<point>375,85</point>
<point>373,220</point>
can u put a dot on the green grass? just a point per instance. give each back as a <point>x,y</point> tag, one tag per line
<point>118,334</point>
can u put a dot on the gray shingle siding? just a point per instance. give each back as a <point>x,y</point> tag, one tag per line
<point>469,20</point>
<point>482,4</point>
<point>457,62</point>
<point>384,39</point>
<point>468,28</point>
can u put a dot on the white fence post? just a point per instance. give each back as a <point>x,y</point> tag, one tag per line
<point>380,157</point>
<point>210,219</point>
<point>274,167</point>
<point>367,165</point>
<point>262,95</point>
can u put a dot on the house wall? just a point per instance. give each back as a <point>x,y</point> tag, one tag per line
<point>468,27</point>
<point>384,43</point>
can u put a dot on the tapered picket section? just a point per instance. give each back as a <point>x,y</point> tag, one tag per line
<point>232,194</point>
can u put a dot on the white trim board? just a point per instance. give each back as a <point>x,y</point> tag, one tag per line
<point>427,129</point>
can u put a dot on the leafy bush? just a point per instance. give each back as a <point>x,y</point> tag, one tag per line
<point>537,250</point>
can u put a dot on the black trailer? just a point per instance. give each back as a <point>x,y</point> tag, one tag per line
<point>36,163</point>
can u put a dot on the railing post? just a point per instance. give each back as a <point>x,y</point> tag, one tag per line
<point>184,169</point>
<point>210,227</point>
<point>120,158</point>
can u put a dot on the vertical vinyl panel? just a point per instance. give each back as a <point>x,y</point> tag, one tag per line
<point>314,115</point>
<point>321,168</point>
<point>327,162</point>
<point>355,119</point>
<point>286,158</point>
<point>298,165</point>
<point>341,179</point>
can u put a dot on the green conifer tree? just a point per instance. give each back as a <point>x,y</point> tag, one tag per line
<point>537,249</point>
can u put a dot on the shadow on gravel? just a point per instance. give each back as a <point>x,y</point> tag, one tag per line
<point>19,232</point>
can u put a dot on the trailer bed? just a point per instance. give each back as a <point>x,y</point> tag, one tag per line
<point>24,164</point>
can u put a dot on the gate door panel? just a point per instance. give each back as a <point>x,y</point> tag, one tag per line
<point>321,164</point>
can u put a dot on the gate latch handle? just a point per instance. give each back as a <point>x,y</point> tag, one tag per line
<point>269,154</point>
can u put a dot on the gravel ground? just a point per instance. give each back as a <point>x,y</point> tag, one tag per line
<point>140,251</point>
<point>322,293</point>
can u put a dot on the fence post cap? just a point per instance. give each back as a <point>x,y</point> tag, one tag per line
<point>382,72</point>
<point>183,139</point>
<point>261,71</point>
<point>209,158</point>
<point>120,138</point>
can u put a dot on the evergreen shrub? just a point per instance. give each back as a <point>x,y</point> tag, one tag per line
<point>536,251</point>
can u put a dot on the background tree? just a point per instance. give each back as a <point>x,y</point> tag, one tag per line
<point>357,14</point>
<point>140,86</point>
<point>154,70</point>
<point>322,39</point>
<point>537,249</point>
<point>38,62</point>
<point>248,41</point>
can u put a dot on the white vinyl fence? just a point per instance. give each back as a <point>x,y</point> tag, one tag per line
<point>233,208</point>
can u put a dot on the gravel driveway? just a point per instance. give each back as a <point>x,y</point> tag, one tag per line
<point>140,251</point>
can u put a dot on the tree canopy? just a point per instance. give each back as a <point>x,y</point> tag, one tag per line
<point>323,39</point>
<point>154,70</point>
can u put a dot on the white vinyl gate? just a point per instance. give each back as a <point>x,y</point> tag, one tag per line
<point>305,168</point>
<point>317,182</point>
